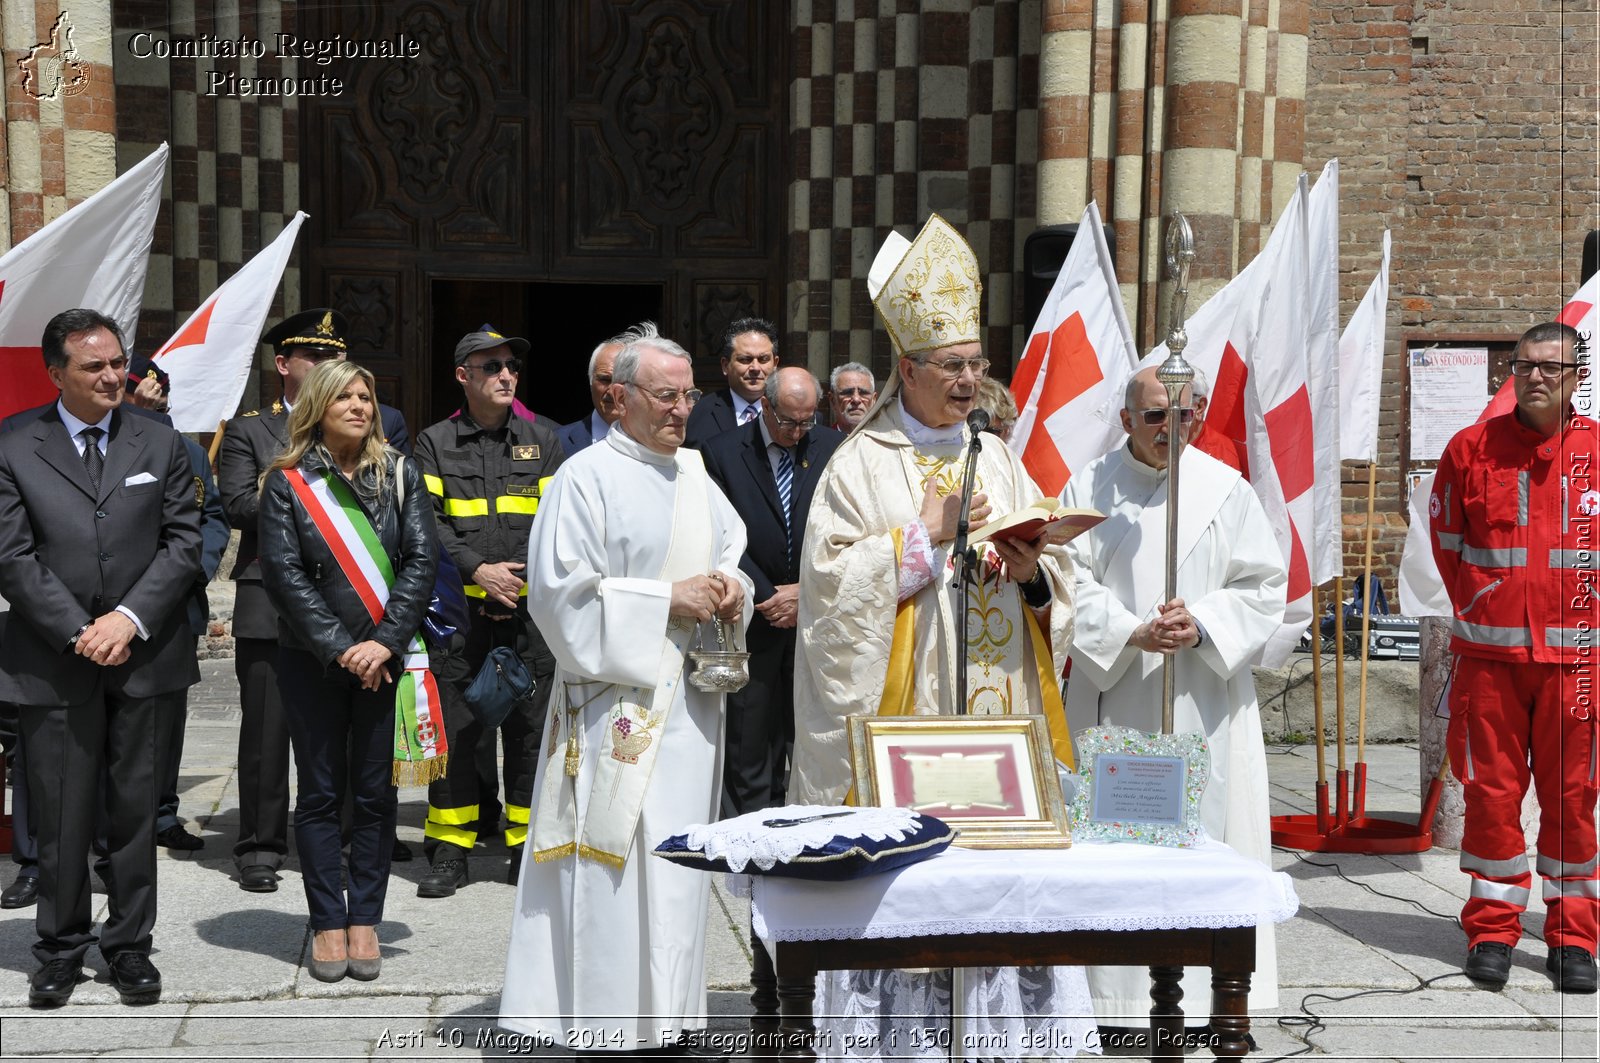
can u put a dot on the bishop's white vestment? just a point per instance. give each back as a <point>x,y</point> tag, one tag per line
<point>1231,578</point>
<point>608,942</point>
<point>866,646</point>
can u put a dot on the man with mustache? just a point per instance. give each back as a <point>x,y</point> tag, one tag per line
<point>851,390</point>
<point>749,355</point>
<point>1231,587</point>
<point>486,470</point>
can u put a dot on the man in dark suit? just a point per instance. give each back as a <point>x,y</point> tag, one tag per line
<point>249,444</point>
<point>99,545</point>
<point>768,469</point>
<point>749,355</point>
<point>593,428</point>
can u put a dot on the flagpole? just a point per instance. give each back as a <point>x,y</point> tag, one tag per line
<point>1175,374</point>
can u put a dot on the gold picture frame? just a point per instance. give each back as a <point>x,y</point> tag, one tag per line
<point>993,778</point>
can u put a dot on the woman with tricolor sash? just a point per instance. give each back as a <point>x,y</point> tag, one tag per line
<point>349,554</point>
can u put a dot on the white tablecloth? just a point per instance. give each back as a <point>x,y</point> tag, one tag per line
<point>1091,886</point>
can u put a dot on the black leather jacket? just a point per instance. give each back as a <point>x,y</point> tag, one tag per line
<point>318,610</point>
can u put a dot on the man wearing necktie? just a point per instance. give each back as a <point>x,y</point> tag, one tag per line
<point>100,546</point>
<point>768,469</point>
<point>749,355</point>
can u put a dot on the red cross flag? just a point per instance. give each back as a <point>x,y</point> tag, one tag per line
<point>209,359</point>
<point>92,256</point>
<point>1068,385</point>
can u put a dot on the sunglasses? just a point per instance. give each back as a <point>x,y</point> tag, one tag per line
<point>494,365</point>
<point>1159,417</point>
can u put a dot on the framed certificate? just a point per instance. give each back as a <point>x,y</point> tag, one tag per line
<point>1140,787</point>
<point>991,777</point>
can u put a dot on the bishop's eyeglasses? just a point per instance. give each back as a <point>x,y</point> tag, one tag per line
<point>952,368</point>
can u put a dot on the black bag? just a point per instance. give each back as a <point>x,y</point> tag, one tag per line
<point>499,685</point>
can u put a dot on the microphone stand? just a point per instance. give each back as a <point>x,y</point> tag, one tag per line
<point>964,560</point>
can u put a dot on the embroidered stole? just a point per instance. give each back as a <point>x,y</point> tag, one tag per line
<point>420,748</point>
<point>638,718</point>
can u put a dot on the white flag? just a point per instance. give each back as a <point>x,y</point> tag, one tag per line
<point>1361,367</point>
<point>1582,312</point>
<point>1069,383</point>
<point>1322,372</point>
<point>93,256</point>
<point>209,359</point>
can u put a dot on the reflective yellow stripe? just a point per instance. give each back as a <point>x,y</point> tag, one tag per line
<point>544,483</point>
<point>516,813</point>
<point>515,504</point>
<point>461,839</point>
<point>475,591</point>
<point>466,507</point>
<point>435,484</point>
<point>516,836</point>
<point>457,816</point>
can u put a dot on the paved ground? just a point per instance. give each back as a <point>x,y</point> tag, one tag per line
<point>1368,967</point>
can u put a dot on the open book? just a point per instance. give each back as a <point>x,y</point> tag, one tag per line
<point>1048,514</point>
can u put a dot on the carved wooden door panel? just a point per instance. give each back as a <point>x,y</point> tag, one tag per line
<point>593,142</point>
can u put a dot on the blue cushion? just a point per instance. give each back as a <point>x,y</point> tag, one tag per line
<point>844,856</point>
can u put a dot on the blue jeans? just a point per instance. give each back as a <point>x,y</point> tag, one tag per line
<point>343,739</point>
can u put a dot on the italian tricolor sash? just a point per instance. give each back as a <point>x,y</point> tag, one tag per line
<point>421,752</point>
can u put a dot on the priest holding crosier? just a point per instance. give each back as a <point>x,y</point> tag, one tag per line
<point>877,613</point>
<point>1230,600</point>
<point>634,548</point>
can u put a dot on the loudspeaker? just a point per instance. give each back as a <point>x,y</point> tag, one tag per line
<point>1591,255</point>
<point>1043,252</point>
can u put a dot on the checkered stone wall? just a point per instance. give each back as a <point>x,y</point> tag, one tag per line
<point>902,108</point>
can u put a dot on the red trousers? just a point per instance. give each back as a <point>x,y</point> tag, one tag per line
<point>1509,720</point>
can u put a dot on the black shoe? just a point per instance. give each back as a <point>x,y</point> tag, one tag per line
<point>1489,962</point>
<point>514,872</point>
<point>1571,968</point>
<point>21,893</point>
<point>258,878</point>
<point>401,853</point>
<point>53,983</point>
<point>175,837</point>
<point>443,878</point>
<point>136,978</point>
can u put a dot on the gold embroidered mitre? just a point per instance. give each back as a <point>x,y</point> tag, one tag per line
<point>927,290</point>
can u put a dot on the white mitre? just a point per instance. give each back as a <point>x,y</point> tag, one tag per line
<point>927,290</point>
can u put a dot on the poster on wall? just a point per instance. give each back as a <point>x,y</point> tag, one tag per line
<point>1449,386</point>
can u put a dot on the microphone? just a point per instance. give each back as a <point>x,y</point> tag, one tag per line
<point>978,419</point>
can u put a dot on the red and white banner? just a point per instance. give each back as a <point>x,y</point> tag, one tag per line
<point>1069,384</point>
<point>1361,367</point>
<point>1250,341</point>
<point>92,256</point>
<point>1322,373</point>
<point>1422,590</point>
<point>209,359</point>
<point>1582,312</point>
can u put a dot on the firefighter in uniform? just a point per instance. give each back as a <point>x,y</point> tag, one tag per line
<point>1515,518</point>
<point>486,468</point>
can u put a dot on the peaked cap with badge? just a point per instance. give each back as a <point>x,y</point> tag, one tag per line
<point>320,327</point>
<point>485,338</point>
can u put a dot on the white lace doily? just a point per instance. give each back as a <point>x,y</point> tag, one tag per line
<point>747,839</point>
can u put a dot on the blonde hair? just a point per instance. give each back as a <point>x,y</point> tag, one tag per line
<point>319,391</point>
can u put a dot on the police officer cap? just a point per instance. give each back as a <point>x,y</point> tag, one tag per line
<point>485,337</point>
<point>321,327</point>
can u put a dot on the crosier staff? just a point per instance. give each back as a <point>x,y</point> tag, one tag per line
<point>1175,374</point>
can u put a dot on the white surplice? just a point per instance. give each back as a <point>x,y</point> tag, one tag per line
<point>604,957</point>
<point>1231,578</point>
<point>871,489</point>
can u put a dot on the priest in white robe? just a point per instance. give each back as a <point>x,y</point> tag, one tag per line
<point>877,617</point>
<point>1230,600</point>
<point>633,549</point>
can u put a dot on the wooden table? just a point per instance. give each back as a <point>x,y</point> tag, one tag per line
<point>785,990</point>
<point>1113,905</point>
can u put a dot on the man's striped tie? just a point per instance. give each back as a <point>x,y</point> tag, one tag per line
<point>785,494</point>
<point>750,413</point>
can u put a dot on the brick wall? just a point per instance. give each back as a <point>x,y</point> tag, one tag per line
<point>1469,129</point>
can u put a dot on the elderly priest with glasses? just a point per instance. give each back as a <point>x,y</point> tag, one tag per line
<point>1231,586</point>
<point>877,613</point>
<point>634,548</point>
